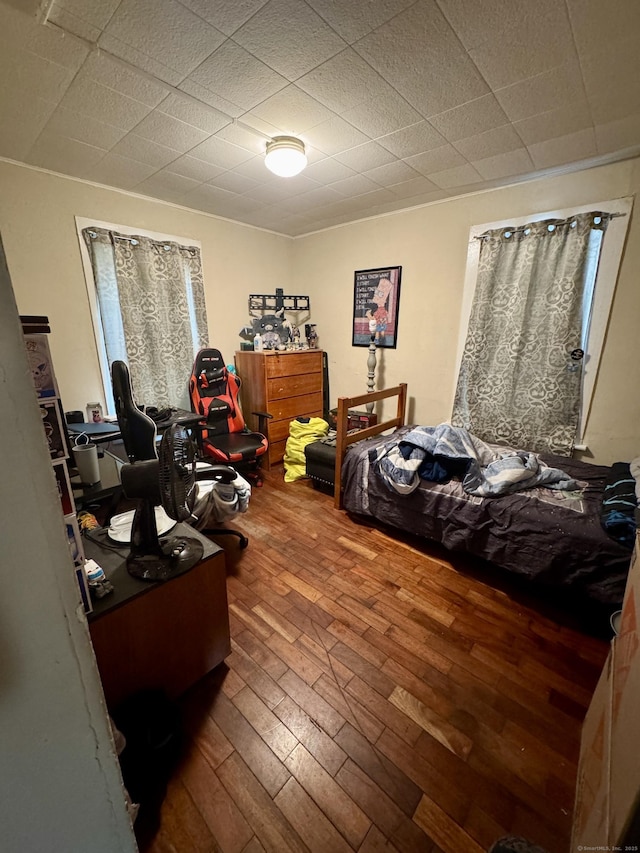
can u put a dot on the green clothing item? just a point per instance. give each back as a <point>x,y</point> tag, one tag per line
<point>301,434</point>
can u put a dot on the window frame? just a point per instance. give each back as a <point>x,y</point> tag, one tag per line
<point>92,291</point>
<point>604,288</point>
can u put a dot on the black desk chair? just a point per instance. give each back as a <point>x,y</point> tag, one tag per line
<point>139,434</point>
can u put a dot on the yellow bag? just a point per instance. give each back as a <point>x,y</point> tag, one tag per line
<point>301,434</point>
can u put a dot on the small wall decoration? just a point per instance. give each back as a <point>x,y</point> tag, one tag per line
<point>376,299</point>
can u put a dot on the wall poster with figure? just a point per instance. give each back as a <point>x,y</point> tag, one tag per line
<point>376,298</point>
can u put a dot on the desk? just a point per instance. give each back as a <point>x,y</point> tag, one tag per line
<point>159,635</point>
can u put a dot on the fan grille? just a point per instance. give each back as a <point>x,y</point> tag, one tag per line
<point>177,460</point>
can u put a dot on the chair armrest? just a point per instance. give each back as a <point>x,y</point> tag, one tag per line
<point>222,473</point>
<point>262,420</point>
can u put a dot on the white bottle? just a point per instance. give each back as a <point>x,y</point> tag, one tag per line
<point>257,342</point>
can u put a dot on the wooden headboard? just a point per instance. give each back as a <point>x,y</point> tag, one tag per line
<point>344,439</point>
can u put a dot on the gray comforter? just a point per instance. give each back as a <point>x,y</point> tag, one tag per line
<point>440,452</point>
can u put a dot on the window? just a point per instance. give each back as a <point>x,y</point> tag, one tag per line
<point>147,301</point>
<point>603,259</point>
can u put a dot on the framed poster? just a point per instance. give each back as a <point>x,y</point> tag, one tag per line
<point>376,299</point>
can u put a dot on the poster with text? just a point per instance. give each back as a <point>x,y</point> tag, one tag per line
<point>376,300</point>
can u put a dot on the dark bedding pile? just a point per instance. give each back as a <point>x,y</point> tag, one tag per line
<point>551,537</point>
<point>618,513</point>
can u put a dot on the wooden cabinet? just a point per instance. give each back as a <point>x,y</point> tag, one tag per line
<point>284,384</point>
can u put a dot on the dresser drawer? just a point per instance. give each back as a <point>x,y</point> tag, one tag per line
<point>292,363</point>
<point>293,406</point>
<point>281,387</point>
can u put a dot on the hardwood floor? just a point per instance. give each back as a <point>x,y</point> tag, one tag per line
<point>380,695</point>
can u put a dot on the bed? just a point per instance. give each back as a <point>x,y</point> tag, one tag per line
<point>553,538</point>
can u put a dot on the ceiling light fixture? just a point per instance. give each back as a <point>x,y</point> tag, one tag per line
<point>285,156</point>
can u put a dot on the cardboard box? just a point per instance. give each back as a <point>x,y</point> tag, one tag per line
<point>608,785</point>
<point>356,419</point>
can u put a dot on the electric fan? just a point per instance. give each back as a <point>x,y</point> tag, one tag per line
<point>169,481</point>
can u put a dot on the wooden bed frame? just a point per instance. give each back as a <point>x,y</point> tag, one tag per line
<point>344,438</point>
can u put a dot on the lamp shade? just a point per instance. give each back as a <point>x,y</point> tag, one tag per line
<point>285,156</point>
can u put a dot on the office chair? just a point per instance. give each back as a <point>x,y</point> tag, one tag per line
<point>139,436</point>
<point>223,435</point>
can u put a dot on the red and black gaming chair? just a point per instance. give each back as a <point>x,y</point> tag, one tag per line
<point>224,436</point>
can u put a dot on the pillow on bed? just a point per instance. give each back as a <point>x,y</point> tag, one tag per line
<point>619,504</point>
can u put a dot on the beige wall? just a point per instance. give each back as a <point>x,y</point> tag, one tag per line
<point>430,243</point>
<point>38,229</point>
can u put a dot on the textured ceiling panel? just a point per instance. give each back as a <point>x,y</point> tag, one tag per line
<point>399,102</point>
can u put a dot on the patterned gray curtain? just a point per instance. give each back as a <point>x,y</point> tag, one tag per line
<point>152,310</point>
<point>521,373</point>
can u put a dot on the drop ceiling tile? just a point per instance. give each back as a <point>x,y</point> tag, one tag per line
<point>56,46</point>
<point>414,187</point>
<point>289,37</point>
<point>190,111</point>
<point>355,185</point>
<point>270,193</point>
<point>326,83</point>
<point>116,75</point>
<point>210,199</point>
<point>516,162</point>
<point>190,87</point>
<point>19,129</point>
<point>565,149</point>
<point>242,78</point>
<point>437,160</point>
<point>167,186</point>
<point>117,171</point>
<point>309,201</point>
<point>169,131</point>
<point>291,111</point>
<point>460,176</point>
<point>30,76</point>
<point>73,25</point>
<point>234,182</point>
<point>139,61</point>
<point>534,39</point>
<point>145,150</point>
<point>225,15</point>
<point>352,20</point>
<point>83,128</point>
<point>392,173</point>
<point>488,144</point>
<point>382,114</point>
<point>596,23</point>
<point>214,150</point>
<point>255,169</point>
<point>61,154</point>
<point>418,53</point>
<point>560,122</point>
<point>469,119</point>
<point>191,167</point>
<point>91,98</point>
<point>412,140</point>
<point>167,32</point>
<point>96,14</point>
<point>328,171</point>
<point>618,135</point>
<point>245,137</point>
<point>552,89</point>
<point>364,203</point>
<point>366,156</point>
<point>334,135</point>
<point>612,80</point>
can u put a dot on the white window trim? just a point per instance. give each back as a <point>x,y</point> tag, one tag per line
<point>81,224</point>
<point>605,285</point>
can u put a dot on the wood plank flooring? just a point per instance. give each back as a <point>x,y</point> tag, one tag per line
<point>381,695</point>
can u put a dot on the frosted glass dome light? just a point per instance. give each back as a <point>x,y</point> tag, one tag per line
<point>285,156</point>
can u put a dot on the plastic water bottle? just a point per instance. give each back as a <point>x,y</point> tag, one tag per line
<point>257,342</point>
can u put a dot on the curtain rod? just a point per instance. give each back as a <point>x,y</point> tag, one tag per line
<point>558,223</point>
<point>135,240</point>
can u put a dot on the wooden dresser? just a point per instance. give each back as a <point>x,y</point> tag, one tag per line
<point>284,384</point>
